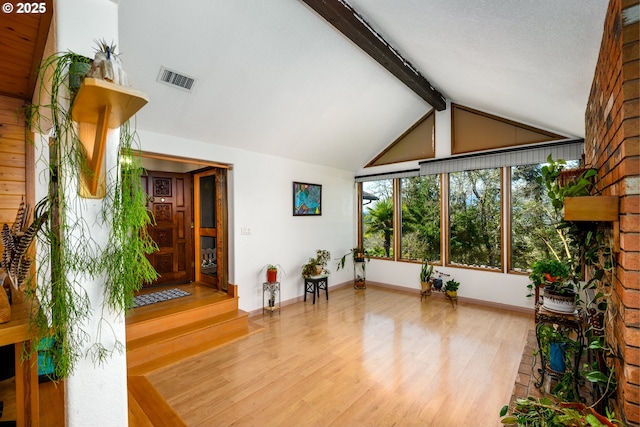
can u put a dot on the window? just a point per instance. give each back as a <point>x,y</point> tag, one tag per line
<point>377,218</point>
<point>420,218</point>
<point>475,218</point>
<point>533,221</point>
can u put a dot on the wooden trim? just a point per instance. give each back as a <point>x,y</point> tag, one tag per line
<point>168,157</point>
<point>397,219</point>
<point>444,219</point>
<point>508,219</point>
<point>359,213</point>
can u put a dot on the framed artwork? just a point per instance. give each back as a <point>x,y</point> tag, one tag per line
<point>307,199</point>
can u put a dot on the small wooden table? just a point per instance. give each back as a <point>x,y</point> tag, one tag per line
<point>17,332</point>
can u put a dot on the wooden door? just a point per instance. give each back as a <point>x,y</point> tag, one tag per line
<point>210,220</point>
<point>170,201</point>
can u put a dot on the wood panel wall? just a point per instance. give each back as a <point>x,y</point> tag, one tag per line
<point>14,166</point>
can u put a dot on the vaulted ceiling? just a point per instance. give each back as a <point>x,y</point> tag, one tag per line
<point>275,77</point>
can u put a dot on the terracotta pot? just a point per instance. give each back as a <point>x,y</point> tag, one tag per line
<point>318,269</point>
<point>272,276</point>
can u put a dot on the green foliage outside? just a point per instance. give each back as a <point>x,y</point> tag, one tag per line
<point>421,218</point>
<point>534,235</point>
<point>474,218</point>
<point>377,221</point>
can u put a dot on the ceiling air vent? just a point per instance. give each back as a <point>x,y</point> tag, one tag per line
<point>175,79</point>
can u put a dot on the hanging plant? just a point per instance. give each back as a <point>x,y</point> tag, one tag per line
<point>69,255</point>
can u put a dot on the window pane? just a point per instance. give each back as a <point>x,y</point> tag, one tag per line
<point>420,218</point>
<point>377,217</point>
<point>533,232</point>
<point>474,218</point>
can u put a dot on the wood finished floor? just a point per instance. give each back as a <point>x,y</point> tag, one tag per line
<point>376,357</point>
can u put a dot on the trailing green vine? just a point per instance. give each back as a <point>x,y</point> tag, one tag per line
<point>68,255</point>
<point>124,260</point>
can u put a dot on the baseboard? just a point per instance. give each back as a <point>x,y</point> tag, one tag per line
<point>415,291</point>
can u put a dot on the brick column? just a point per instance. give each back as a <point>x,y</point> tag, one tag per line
<point>612,146</point>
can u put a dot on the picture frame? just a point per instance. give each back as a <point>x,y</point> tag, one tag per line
<point>307,199</point>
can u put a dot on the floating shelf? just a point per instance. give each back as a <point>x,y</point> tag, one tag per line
<point>94,94</point>
<point>591,208</point>
<point>100,105</point>
<point>596,209</point>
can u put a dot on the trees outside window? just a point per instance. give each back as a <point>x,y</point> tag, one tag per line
<point>475,218</point>
<point>420,218</point>
<point>533,221</point>
<point>377,217</point>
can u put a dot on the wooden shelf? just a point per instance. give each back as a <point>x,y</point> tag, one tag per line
<point>95,94</point>
<point>100,105</point>
<point>591,208</point>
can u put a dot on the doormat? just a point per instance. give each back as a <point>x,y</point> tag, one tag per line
<point>154,297</point>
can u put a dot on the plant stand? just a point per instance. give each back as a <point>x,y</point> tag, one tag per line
<point>453,298</point>
<point>359,273</point>
<point>573,322</point>
<point>273,291</point>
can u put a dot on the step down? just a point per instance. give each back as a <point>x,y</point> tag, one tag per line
<point>174,330</point>
<point>147,407</point>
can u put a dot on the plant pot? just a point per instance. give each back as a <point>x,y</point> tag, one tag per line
<point>426,287</point>
<point>557,352</point>
<point>437,283</point>
<point>583,409</point>
<point>272,276</point>
<point>318,269</point>
<point>452,294</point>
<point>556,302</point>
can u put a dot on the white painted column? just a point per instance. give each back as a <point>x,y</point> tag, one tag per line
<point>95,395</point>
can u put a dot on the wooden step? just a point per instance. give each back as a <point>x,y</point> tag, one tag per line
<point>174,343</point>
<point>147,407</point>
<point>170,315</point>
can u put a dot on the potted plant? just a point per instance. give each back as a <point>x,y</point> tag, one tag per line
<point>552,412</point>
<point>451,288</point>
<point>425,277</point>
<point>559,292</point>
<point>274,272</point>
<point>317,265</point>
<point>359,255</point>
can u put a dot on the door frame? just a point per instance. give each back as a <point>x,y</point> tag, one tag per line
<point>194,167</point>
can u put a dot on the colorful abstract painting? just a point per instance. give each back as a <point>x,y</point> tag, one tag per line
<point>307,199</point>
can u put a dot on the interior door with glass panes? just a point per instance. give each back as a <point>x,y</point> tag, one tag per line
<point>209,190</point>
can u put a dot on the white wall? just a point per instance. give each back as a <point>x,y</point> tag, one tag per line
<point>94,395</point>
<point>261,199</point>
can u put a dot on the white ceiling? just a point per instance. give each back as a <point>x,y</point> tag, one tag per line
<point>274,77</point>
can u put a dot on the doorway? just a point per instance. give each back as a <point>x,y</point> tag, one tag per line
<point>188,199</point>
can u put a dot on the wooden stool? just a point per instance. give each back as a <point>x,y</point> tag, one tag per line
<point>313,284</point>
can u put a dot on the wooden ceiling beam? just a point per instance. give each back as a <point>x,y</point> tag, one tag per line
<point>346,20</point>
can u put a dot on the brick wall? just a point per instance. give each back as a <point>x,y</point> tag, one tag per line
<point>612,146</point>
